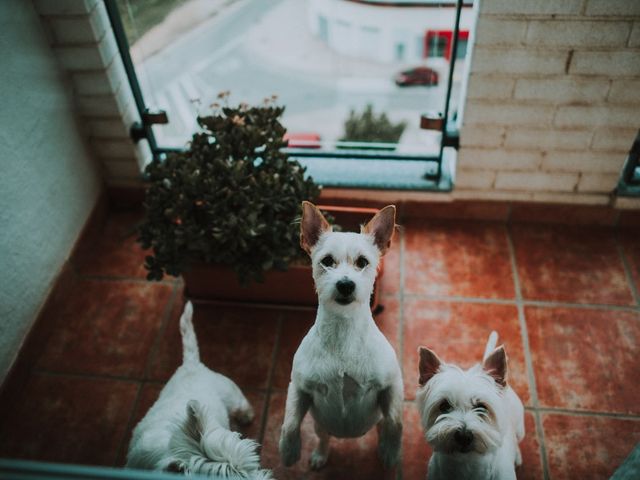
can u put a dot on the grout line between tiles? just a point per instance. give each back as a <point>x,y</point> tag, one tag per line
<point>584,413</point>
<point>399,472</point>
<point>454,298</point>
<point>124,278</point>
<point>87,376</point>
<point>271,374</point>
<point>527,352</point>
<point>120,452</point>
<point>586,306</point>
<point>514,302</point>
<point>627,272</point>
<point>161,331</point>
<point>401,301</point>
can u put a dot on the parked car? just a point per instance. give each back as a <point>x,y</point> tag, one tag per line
<point>303,140</point>
<point>417,76</point>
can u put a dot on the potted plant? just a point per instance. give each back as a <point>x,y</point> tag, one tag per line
<point>222,213</point>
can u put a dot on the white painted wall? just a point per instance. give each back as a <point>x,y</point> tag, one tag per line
<point>48,184</point>
<point>373,31</point>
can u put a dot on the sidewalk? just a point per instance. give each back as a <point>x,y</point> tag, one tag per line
<point>179,22</point>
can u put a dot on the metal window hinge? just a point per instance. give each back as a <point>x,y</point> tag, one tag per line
<point>139,130</point>
<point>435,121</point>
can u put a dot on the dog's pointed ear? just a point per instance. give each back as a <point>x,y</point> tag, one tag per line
<point>381,227</point>
<point>193,426</point>
<point>496,365</point>
<point>312,226</point>
<point>429,365</point>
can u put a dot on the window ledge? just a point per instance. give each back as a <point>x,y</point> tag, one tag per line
<point>380,174</point>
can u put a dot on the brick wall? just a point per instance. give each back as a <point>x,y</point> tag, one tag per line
<point>82,38</point>
<point>553,101</point>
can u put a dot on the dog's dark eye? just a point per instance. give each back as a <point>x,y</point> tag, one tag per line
<point>328,261</point>
<point>362,262</point>
<point>481,406</point>
<point>445,406</point>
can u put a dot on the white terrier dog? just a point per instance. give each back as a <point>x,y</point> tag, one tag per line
<point>345,372</point>
<point>187,429</point>
<point>472,419</point>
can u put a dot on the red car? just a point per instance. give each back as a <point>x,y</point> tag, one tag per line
<point>303,140</point>
<point>417,76</point>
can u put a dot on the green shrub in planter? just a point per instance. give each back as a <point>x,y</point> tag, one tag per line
<point>231,198</point>
<point>371,127</point>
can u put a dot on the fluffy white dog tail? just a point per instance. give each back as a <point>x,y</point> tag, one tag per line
<point>190,352</point>
<point>200,449</point>
<point>491,345</point>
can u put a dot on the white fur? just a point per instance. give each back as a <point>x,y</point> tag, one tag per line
<point>497,430</point>
<point>345,372</point>
<point>187,429</point>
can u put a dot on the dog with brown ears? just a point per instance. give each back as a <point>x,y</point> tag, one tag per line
<point>345,373</point>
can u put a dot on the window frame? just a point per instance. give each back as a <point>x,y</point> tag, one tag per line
<point>441,180</point>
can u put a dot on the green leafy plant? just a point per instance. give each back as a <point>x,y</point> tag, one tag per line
<point>231,198</point>
<point>369,127</point>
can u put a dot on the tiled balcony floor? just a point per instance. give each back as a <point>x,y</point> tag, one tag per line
<point>563,299</point>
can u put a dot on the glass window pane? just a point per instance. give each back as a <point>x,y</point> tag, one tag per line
<point>345,70</point>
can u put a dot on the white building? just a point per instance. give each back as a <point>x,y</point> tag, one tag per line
<point>404,31</point>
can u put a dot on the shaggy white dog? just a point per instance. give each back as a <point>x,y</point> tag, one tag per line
<point>187,429</point>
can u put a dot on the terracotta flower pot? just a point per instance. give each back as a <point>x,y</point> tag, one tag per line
<point>219,283</point>
<point>214,283</point>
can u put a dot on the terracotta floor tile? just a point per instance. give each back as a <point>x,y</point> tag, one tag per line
<point>570,264</point>
<point>388,321</point>
<point>458,333</point>
<point>236,342</point>
<point>416,452</point>
<point>531,468</point>
<point>347,455</point>
<point>113,251</point>
<point>630,241</point>
<point>584,358</point>
<point>68,419</point>
<point>465,259</point>
<point>105,327</point>
<point>564,215</point>
<point>295,326</point>
<point>587,447</point>
<point>149,393</point>
<point>257,399</point>
<point>629,219</point>
<point>459,209</point>
<point>390,280</point>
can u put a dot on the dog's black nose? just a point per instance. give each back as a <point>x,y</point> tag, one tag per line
<point>345,287</point>
<point>463,437</point>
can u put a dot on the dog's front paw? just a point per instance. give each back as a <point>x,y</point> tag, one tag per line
<point>318,459</point>
<point>289,448</point>
<point>244,416</point>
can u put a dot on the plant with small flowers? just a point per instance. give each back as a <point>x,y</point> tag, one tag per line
<point>231,198</point>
